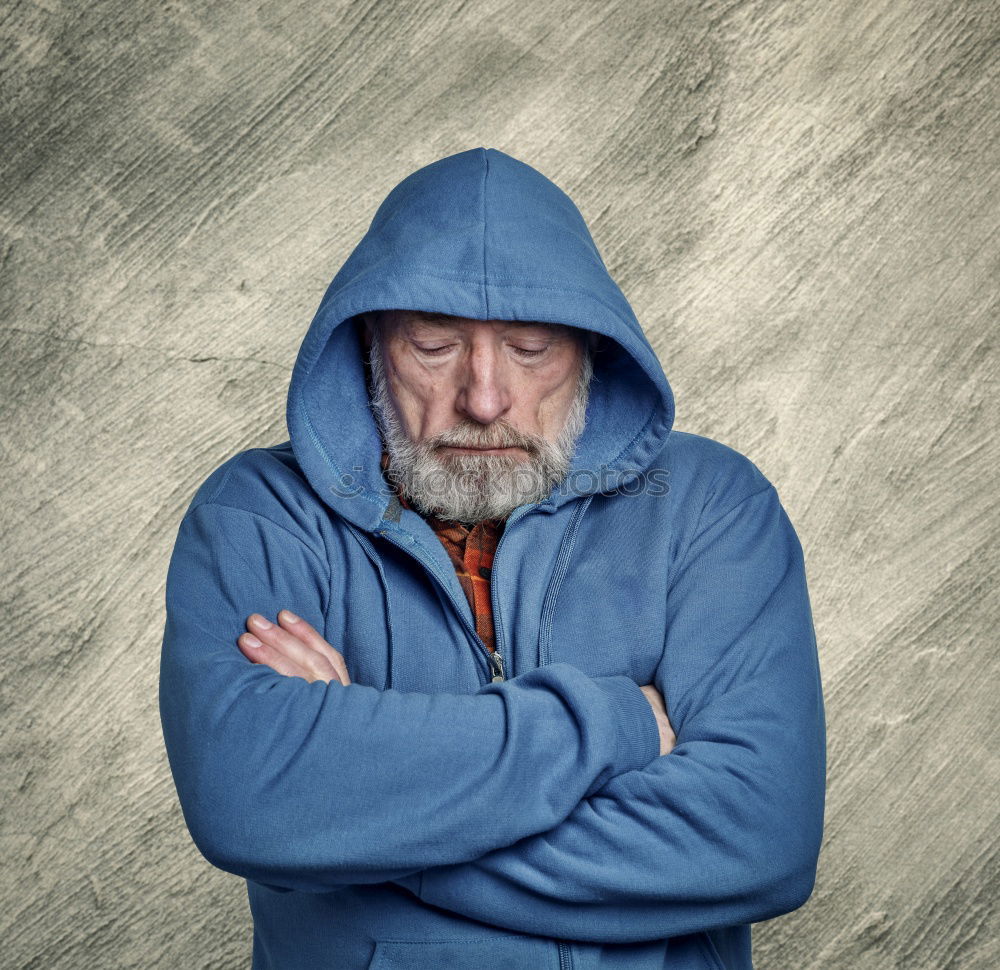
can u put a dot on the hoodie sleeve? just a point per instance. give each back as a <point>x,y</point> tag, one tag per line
<point>726,828</point>
<point>307,786</point>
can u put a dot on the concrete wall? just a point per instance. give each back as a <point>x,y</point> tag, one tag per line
<point>800,200</point>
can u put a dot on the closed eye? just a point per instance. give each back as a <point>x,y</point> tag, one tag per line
<point>523,351</point>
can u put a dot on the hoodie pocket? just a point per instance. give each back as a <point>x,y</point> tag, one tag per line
<point>492,953</point>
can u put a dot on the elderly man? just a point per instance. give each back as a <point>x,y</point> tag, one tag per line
<point>418,659</point>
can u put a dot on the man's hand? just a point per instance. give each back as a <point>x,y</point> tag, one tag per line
<point>667,737</point>
<point>292,648</point>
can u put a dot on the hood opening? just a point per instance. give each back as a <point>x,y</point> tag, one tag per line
<point>483,236</point>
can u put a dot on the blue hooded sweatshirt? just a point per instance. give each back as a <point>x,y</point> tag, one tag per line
<point>432,814</point>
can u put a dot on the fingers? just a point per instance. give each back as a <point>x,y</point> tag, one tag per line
<point>668,739</point>
<point>654,697</point>
<point>284,652</point>
<point>308,634</point>
<point>259,652</point>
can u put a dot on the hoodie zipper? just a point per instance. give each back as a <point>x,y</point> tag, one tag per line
<point>565,957</point>
<point>471,630</point>
<point>494,659</point>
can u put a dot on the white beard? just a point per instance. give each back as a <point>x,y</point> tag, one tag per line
<point>469,488</point>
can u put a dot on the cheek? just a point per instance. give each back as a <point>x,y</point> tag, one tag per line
<point>413,384</point>
<point>562,379</point>
<point>425,401</point>
<point>547,404</point>
<point>561,390</point>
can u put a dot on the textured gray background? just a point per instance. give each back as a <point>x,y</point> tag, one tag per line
<point>800,200</point>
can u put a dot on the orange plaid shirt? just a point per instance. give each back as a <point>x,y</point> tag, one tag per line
<point>471,550</point>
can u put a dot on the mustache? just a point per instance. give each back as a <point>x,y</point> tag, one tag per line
<point>497,435</point>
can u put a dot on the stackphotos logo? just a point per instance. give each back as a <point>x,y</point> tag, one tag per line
<point>580,481</point>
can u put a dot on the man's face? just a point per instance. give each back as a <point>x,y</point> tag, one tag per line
<point>478,416</point>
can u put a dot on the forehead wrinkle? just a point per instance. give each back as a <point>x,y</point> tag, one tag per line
<point>411,319</point>
<point>445,321</point>
<point>431,316</point>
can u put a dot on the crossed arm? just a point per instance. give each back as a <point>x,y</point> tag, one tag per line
<point>294,648</point>
<point>590,836</point>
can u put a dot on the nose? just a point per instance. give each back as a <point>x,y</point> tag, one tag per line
<point>484,392</point>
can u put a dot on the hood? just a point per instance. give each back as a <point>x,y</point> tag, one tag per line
<point>480,235</point>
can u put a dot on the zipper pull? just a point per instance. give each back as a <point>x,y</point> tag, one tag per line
<point>497,661</point>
